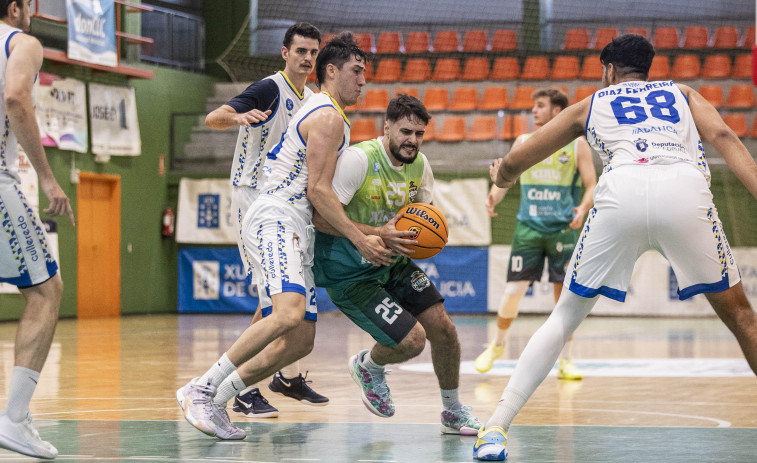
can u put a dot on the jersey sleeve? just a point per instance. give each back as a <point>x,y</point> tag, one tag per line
<point>351,169</point>
<point>262,95</point>
<point>426,191</point>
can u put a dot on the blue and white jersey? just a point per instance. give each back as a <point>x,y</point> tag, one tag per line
<point>254,142</point>
<point>8,141</point>
<point>288,179</point>
<point>644,123</point>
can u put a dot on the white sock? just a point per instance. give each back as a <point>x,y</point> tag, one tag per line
<point>369,363</point>
<point>23,383</point>
<point>291,371</point>
<point>450,399</point>
<point>249,388</point>
<point>218,372</point>
<point>230,387</point>
<point>509,405</point>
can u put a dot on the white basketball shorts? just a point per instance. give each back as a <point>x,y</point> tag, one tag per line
<point>279,244</point>
<point>664,207</point>
<point>242,198</point>
<point>25,257</point>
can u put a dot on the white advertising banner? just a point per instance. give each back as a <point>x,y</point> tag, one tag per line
<point>62,113</point>
<point>652,291</point>
<point>204,212</point>
<point>113,114</point>
<point>462,203</point>
<point>92,31</point>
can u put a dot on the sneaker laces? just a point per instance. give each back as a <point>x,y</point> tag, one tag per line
<point>255,394</point>
<point>30,426</point>
<point>378,377</point>
<point>205,398</point>
<point>465,413</point>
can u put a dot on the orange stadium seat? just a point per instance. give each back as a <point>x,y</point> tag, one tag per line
<point>430,134</point>
<point>716,67</point>
<point>446,69</point>
<point>504,40</point>
<point>604,36</point>
<point>686,67</point>
<point>583,92</point>
<point>520,125</point>
<point>464,99</point>
<point>446,41</point>
<point>726,37</point>
<point>376,100</point>
<point>642,31</point>
<point>737,123</point>
<point>696,37</point>
<point>742,67</point>
<point>665,37</point>
<point>475,40</point>
<point>476,69</point>
<point>535,68</point>
<point>483,128</point>
<point>412,91</point>
<point>505,68</point>
<point>388,70</point>
<point>364,40</point>
<point>416,42</point>
<point>453,129</point>
<point>749,37</point>
<point>592,68</point>
<point>416,70</point>
<point>388,42</point>
<point>713,94</point>
<point>660,68</point>
<point>494,99</point>
<point>436,98</point>
<point>576,39</point>
<point>740,96</point>
<point>522,98</point>
<point>507,129</point>
<point>753,132</point>
<point>565,68</point>
<point>362,130</point>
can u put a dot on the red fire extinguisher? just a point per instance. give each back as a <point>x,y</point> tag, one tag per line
<point>168,222</point>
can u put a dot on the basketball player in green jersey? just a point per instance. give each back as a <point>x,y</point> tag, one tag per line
<point>547,222</point>
<point>395,302</point>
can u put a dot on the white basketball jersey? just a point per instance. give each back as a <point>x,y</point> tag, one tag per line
<point>8,141</point>
<point>644,123</point>
<point>253,143</point>
<point>288,179</point>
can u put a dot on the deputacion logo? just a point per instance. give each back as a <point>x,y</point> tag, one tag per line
<point>641,144</point>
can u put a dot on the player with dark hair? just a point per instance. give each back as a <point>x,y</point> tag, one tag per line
<point>396,304</point>
<point>551,211</point>
<point>653,194</point>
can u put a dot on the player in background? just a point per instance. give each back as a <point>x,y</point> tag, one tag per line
<point>395,303</point>
<point>25,258</point>
<point>277,233</point>
<point>262,112</point>
<point>653,194</point>
<point>549,215</point>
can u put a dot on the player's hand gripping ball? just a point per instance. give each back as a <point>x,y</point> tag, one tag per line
<point>430,228</point>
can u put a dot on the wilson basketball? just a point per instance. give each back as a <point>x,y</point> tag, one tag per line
<point>430,228</point>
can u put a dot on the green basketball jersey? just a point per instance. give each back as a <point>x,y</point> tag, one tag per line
<point>550,190</point>
<point>384,191</point>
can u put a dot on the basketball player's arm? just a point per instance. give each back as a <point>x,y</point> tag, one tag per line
<point>24,62</point>
<point>324,131</point>
<point>497,194</point>
<point>564,128</point>
<point>712,129</point>
<point>252,106</point>
<point>225,117</point>
<point>589,178</point>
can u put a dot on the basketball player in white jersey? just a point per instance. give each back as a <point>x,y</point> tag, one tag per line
<point>262,112</point>
<point>25,258</point>
<point>653,194</point>
<point>277,233</point>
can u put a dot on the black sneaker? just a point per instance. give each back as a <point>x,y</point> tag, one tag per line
<point>254,405</point>
<point>297,388</point>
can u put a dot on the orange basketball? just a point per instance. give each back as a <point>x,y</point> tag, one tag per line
<point>430,228</point>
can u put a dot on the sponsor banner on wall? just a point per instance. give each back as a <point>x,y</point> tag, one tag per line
<point>113,121</point>
<point>62,113</point>
<point>204,215</point>
<point>462,203</point>
<point>459,273</point>
<point>92,31</point>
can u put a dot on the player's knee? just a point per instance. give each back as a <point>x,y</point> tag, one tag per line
<point>414,342</point>
<point>287,318</point>
<point>445,333</point>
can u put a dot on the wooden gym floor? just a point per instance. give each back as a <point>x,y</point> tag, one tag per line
<point>655,390</point>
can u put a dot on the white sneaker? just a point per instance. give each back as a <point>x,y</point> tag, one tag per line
<point>203,414</point>
<point>182,391</point>
<point>23,438</point>
<point>224,428</point>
